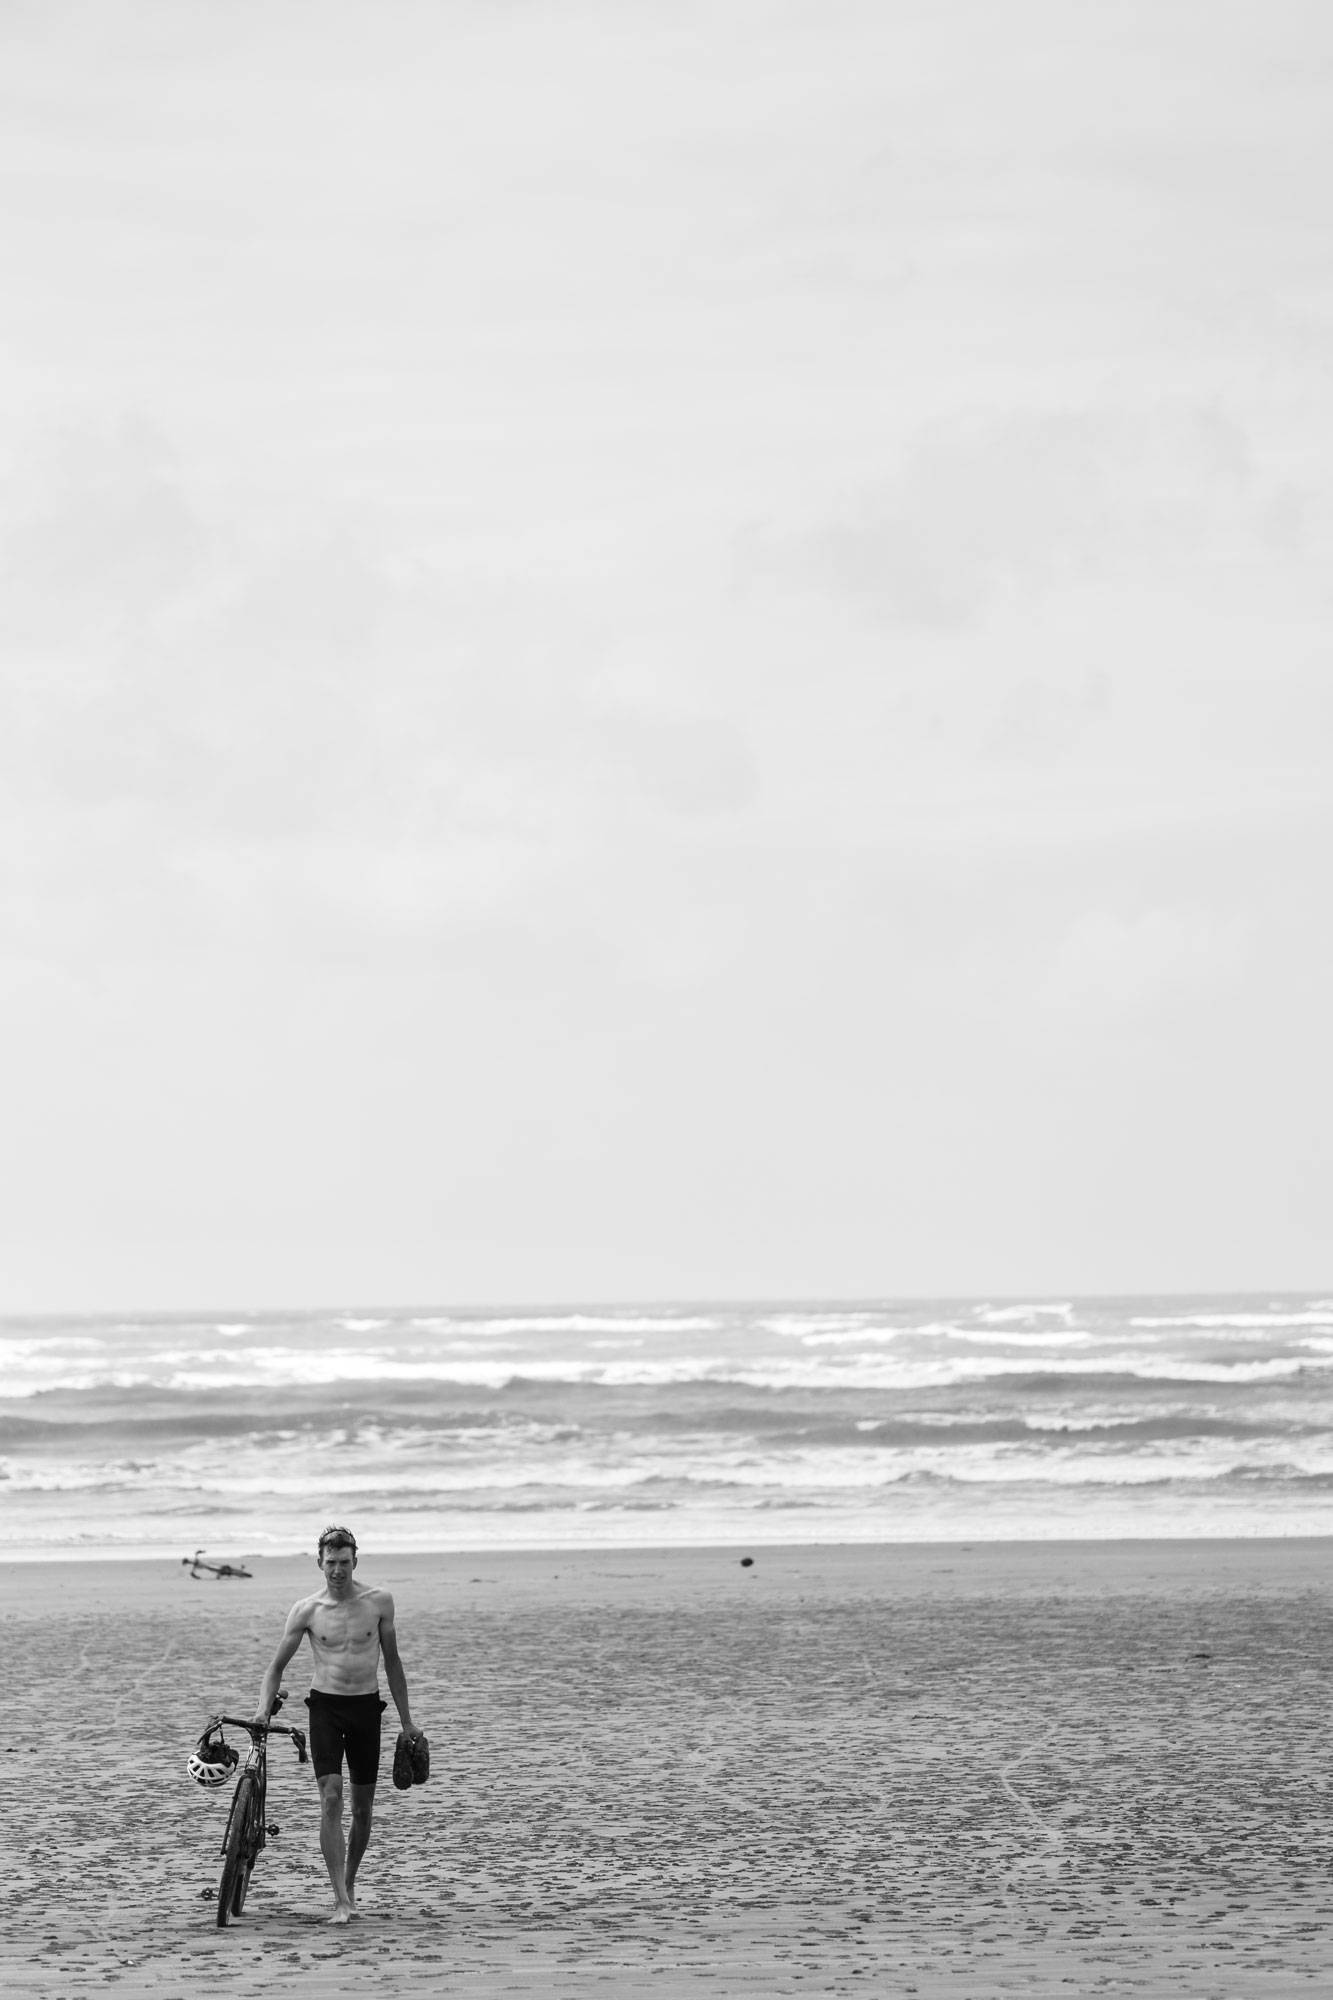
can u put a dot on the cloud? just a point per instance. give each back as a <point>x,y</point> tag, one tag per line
<point>303,738</point>
<point>1108,964</point>
<point>1040,721</point>
<point>694,765</point>
<point>1025,503</point>
<point>97,537</point>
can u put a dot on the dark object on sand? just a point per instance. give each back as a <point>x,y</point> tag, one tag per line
<point>199,1568</point>
<point>411,1761</point>
<point>747,1562</point>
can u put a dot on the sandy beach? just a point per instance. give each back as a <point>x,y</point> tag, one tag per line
<point>1040,1769</point>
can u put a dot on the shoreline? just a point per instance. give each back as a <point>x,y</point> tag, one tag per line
<point>1177,1568</point>
<point>37,1555</point>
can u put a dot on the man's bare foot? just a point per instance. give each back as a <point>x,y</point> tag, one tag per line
<point>343,1914</point>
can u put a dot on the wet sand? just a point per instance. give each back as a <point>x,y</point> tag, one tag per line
<point>1038,1769</point>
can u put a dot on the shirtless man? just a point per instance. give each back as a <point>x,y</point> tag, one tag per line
<point>348,1624</point>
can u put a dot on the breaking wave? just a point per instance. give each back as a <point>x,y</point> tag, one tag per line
<point>881,1420</point>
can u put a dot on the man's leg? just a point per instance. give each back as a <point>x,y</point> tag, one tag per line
<point>332,1844</point>
<point>363,1811</point>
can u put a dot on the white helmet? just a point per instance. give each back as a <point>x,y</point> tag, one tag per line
<point>213,1760</point>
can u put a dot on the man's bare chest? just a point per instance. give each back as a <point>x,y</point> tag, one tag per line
<point>344,1628</point>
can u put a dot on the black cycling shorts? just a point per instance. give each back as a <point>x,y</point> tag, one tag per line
<point>346,1723</point>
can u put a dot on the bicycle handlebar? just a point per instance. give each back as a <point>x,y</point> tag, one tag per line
<point>258,1729</point>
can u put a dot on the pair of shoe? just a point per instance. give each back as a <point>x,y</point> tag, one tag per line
<point>411,1760</point>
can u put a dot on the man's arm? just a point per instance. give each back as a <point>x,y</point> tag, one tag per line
<point>393,1666</point>
<point>297,1620</point>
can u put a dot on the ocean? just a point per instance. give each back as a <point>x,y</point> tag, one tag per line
<point>245,1433</point>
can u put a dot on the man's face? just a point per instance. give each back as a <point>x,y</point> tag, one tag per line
<point>337,1562</point>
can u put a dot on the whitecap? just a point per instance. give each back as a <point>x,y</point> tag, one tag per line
<point>1249,1321</point>
<point>1003,1315</point>
<point>1008,1337</point>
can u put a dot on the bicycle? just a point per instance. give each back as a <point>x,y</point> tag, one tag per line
<point>198,1568</point>
<point>248,1826</point>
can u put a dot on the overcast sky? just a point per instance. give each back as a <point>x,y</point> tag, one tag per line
<point>656,650</point>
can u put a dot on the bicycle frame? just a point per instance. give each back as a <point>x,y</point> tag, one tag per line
<point>250,1842</point>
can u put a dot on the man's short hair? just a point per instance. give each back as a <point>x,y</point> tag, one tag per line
<point>337,1538</point>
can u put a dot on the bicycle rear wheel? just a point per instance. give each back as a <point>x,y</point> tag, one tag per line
<point>239,1849</point>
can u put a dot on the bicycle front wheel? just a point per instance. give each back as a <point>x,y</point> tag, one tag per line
<point>239,1849</point>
